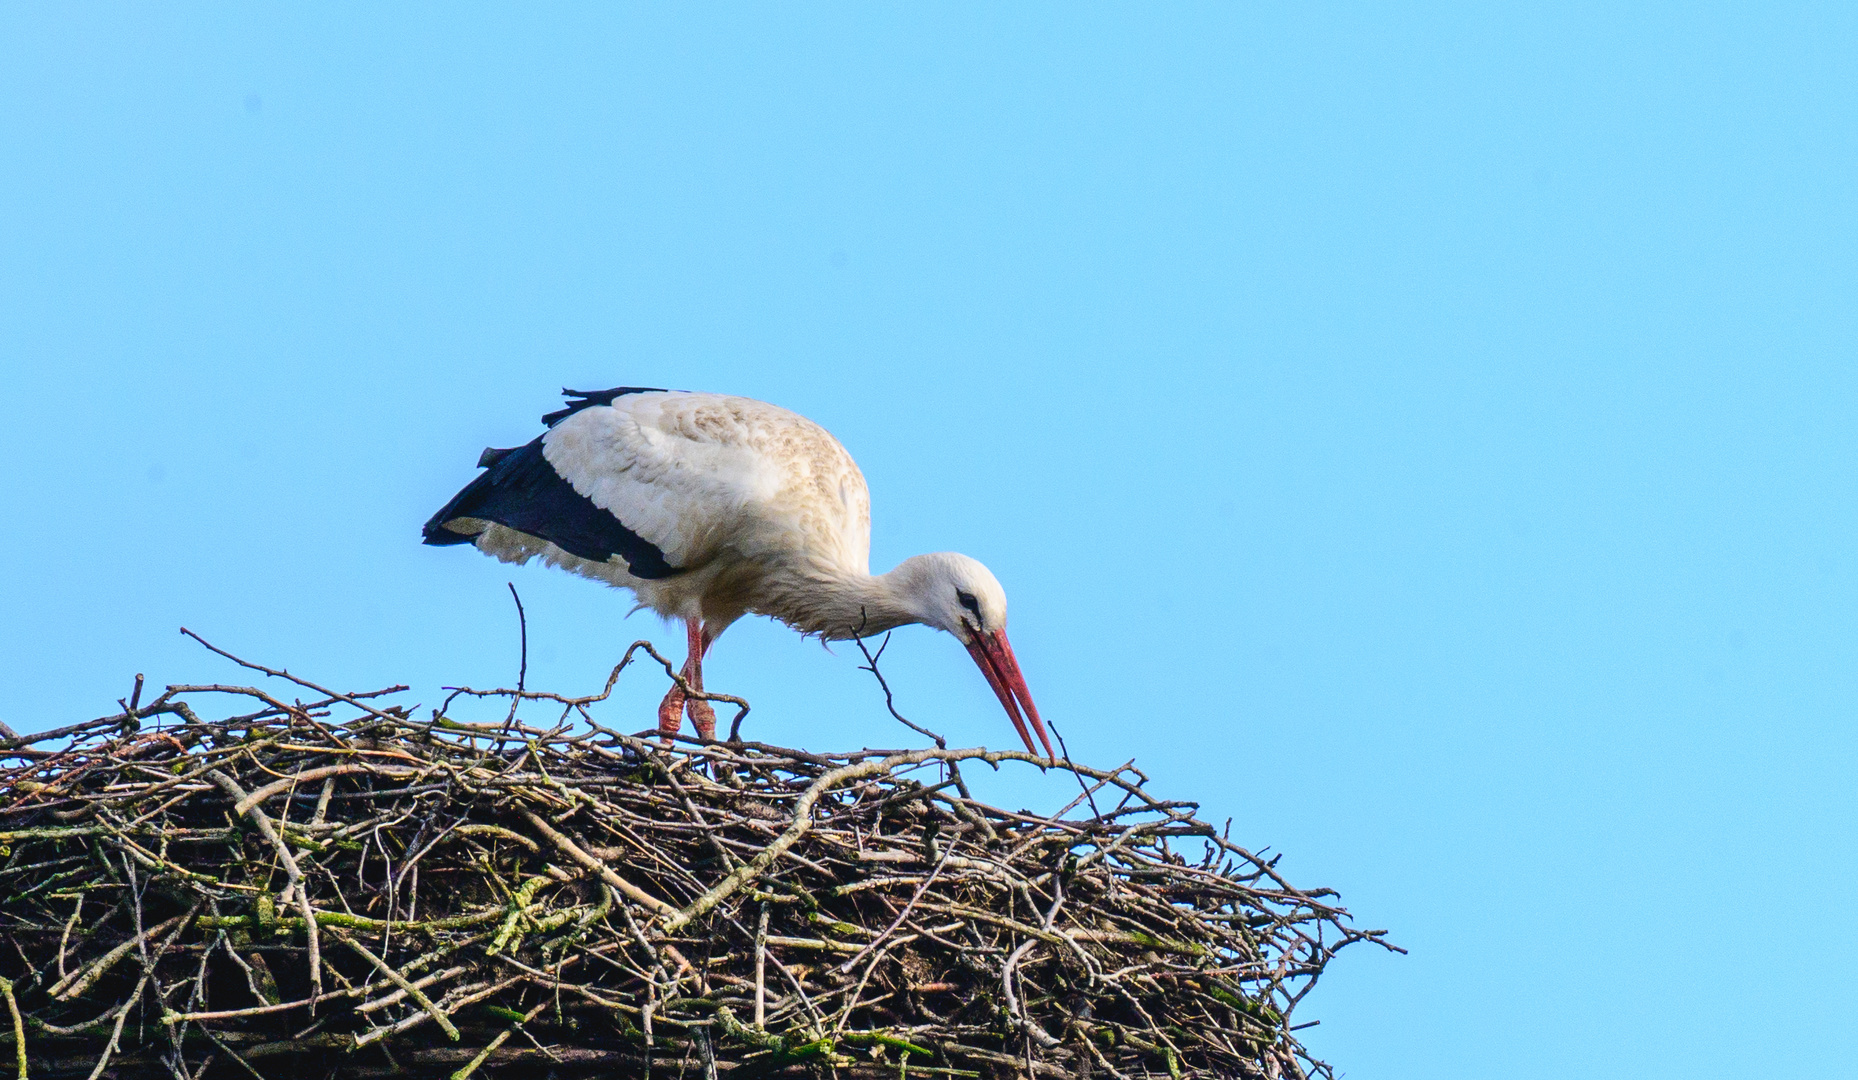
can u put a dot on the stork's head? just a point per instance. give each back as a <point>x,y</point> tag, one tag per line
<point>955,593</point>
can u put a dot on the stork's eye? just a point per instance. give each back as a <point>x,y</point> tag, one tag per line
<point>968,601</point>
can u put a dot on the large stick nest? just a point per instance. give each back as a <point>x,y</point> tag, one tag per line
<point>332,887</point>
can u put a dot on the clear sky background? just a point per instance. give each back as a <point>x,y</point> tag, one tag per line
<point>1423,433</point>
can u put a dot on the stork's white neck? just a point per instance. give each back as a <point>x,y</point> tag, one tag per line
<point>836,603</point>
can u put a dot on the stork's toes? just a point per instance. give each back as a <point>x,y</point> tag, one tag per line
<point>702,717</point>
<point>671,713</point>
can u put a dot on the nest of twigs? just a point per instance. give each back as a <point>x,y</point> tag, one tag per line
<point>334,887</point>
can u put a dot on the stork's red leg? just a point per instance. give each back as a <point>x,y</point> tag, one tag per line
<point>671,709</point>
<point>702,717</point>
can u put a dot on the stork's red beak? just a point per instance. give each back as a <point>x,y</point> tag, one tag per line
<point>995,658</point>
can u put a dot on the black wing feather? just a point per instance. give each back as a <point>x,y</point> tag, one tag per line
<point>520,490</point>
<point>583,399</point>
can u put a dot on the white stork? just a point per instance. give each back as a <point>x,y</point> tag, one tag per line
<point>710,507</point>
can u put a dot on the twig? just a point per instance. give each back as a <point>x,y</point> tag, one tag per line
<point>573,851</point>
<point>299,888</point>
<point>280,673</point>
<point>419,996</point>
<point>19,1025</point>
<point>846,967</point>
<point>870,665</point>
<point>761,966</point>
<point>502,1037</point>
<point>77,986</point>
<point>522,672</point>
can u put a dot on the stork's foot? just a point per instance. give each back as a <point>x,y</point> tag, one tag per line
<point>702,717</point>
<point>671,712</point>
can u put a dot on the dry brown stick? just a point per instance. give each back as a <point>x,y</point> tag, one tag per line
<point>419,996</point>
<point>19,1025</point>
<point>16,741</point>
<point>74,986</point>
<point>465,1073</point>
<point>851,1001</point>
<point>459,998</point>
<point>499,831</point>
<point>846,967</point>
<point>802,821</point>
<point>64,939</point>
<point>299,887</point>
<point>116,1034</point>
<point>420,983</point>
<point>690,808</point>
<point>574,851</point>
<point>279,673</point>
<point>761,966</point>
<point>259,796</point>
<point>148,973</point>
<point>520,694</point>
<point>1014,1008</point>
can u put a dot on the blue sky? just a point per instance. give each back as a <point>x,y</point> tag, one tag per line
<point>1423,433</point>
